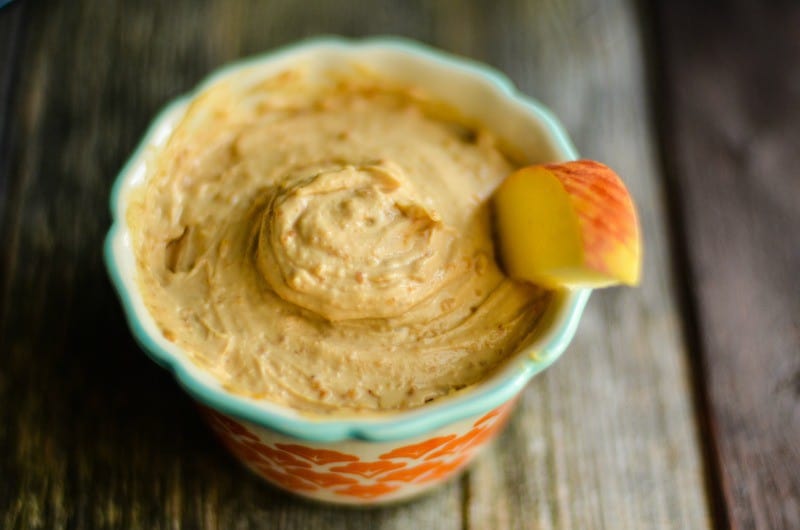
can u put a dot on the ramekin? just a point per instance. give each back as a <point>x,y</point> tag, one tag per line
<point>377,458</point>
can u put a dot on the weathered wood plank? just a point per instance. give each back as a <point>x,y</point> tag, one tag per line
<point>10,35</point>
<point>606,438</point>
<point>731,80</point>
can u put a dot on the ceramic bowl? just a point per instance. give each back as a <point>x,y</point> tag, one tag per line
<point>382,457</point>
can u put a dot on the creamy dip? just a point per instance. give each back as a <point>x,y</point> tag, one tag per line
<point>324,242</point>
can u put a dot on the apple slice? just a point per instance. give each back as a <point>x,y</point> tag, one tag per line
<point>571,224</point>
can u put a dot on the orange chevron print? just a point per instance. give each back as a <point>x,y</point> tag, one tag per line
<point>318,456</point>
<point>369,491</point>
<point>368,469</point>
<point>417,450</point>
<point>304,469</point>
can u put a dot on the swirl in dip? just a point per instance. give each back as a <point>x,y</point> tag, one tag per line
<point>323,241</point>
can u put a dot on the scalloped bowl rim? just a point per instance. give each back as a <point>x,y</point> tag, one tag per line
<point>563,314</point>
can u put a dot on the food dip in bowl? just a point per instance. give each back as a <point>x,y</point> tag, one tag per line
<point>306,241</point>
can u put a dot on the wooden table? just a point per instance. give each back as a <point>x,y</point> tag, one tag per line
<point>678,404</point>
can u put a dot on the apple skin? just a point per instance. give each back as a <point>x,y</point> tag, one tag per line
<point>570,224</point>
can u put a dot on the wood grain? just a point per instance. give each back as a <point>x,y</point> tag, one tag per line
<point>731,80</point>
<point>94,435</point>
<point>10,22</point>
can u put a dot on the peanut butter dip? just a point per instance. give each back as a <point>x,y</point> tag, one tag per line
<point>324,242</point>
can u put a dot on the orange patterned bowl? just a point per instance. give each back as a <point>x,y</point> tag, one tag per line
<point>379,457</point>
<point>357,471</point>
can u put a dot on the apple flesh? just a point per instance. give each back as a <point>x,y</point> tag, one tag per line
<point>571,224</point>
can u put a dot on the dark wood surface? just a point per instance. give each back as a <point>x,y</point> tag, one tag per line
<point>731,131</point>
<point>678,405</point>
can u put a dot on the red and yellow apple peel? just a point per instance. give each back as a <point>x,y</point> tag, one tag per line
<point>571,224</point>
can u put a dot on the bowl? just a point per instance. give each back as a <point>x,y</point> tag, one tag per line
<point>380,457</point>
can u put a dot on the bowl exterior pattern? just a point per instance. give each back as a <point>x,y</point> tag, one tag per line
<point>359,472</point>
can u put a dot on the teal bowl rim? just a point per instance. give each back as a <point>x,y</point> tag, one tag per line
<point>564,314</point>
